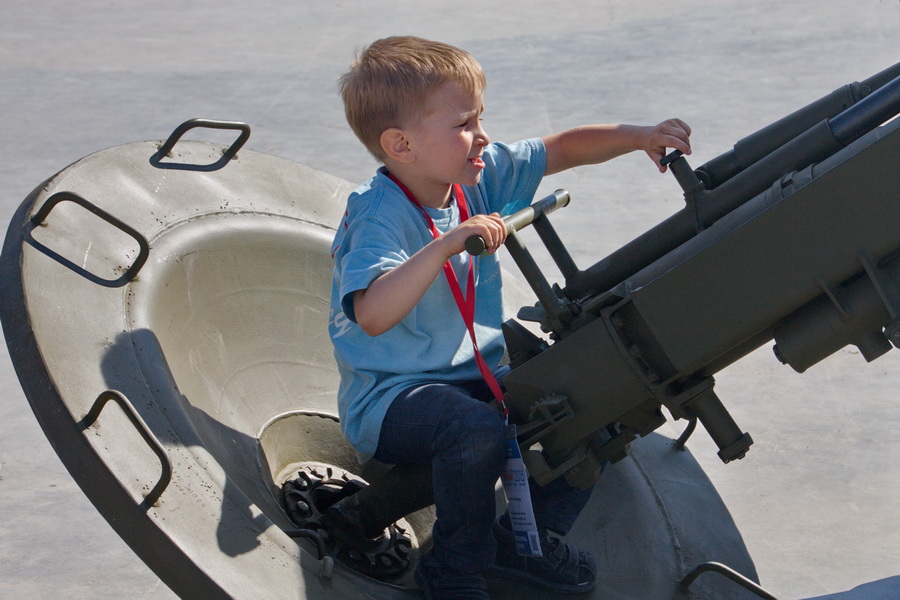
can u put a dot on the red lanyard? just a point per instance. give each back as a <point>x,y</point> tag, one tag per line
<point>466,305</point>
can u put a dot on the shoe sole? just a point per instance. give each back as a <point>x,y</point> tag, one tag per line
<point>562,588</point>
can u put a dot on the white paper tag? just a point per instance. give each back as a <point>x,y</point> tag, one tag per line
<point>518,498</point>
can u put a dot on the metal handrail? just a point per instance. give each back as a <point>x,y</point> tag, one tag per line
<point>151,498</point>
<point>230,152</point>
<point>730,574</point>
<point>44,211</point>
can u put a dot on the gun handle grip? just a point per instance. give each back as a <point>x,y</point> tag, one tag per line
<point>670,157</point>
<point>475,245</point>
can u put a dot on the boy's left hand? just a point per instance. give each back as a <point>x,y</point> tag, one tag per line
<point>672,133</point>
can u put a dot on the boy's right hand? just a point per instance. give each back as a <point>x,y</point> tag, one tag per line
<point>489,228</point>
<point>672,133</point>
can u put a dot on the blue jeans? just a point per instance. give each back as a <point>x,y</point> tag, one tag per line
<point>452,427</point>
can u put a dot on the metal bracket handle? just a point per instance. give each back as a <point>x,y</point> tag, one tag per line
<point>139,424</point>
<point>50,204</point>
<point>730,574</point>
<point>156,159</point>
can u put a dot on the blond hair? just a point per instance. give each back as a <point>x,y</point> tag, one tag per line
<point>390,81</point>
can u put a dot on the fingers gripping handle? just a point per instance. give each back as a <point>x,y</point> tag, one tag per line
<point>525,217</point>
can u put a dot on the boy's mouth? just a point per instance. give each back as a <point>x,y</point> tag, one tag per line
<point>477,162</point>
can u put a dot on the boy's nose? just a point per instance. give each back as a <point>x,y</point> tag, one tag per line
<point>481,136</point>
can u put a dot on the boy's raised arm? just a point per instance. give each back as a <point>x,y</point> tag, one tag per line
<point>593,144</point>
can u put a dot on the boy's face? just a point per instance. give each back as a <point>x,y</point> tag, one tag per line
<point>448,139</point>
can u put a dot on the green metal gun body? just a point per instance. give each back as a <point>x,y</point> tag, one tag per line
<point>791,236</point>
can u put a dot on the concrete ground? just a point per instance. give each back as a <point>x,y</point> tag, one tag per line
<point>816,498</point>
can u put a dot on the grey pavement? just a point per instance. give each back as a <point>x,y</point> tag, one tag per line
<point>816,498</point>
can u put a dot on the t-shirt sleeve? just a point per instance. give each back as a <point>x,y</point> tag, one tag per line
<point>512,174</point>
<point>371,249</point>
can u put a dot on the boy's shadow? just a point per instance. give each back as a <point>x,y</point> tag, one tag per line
<point>247,477</point>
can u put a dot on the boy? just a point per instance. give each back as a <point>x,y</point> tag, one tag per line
<point>411,387</point>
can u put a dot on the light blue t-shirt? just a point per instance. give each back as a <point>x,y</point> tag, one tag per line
<point>380,230</point>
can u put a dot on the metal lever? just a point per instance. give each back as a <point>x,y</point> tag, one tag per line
<point>525,217</point>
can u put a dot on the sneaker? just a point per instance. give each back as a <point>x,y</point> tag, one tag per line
<point>439,582</point>
<point>563,568</point>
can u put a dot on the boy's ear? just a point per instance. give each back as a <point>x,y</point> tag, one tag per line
<point>395,145</point>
